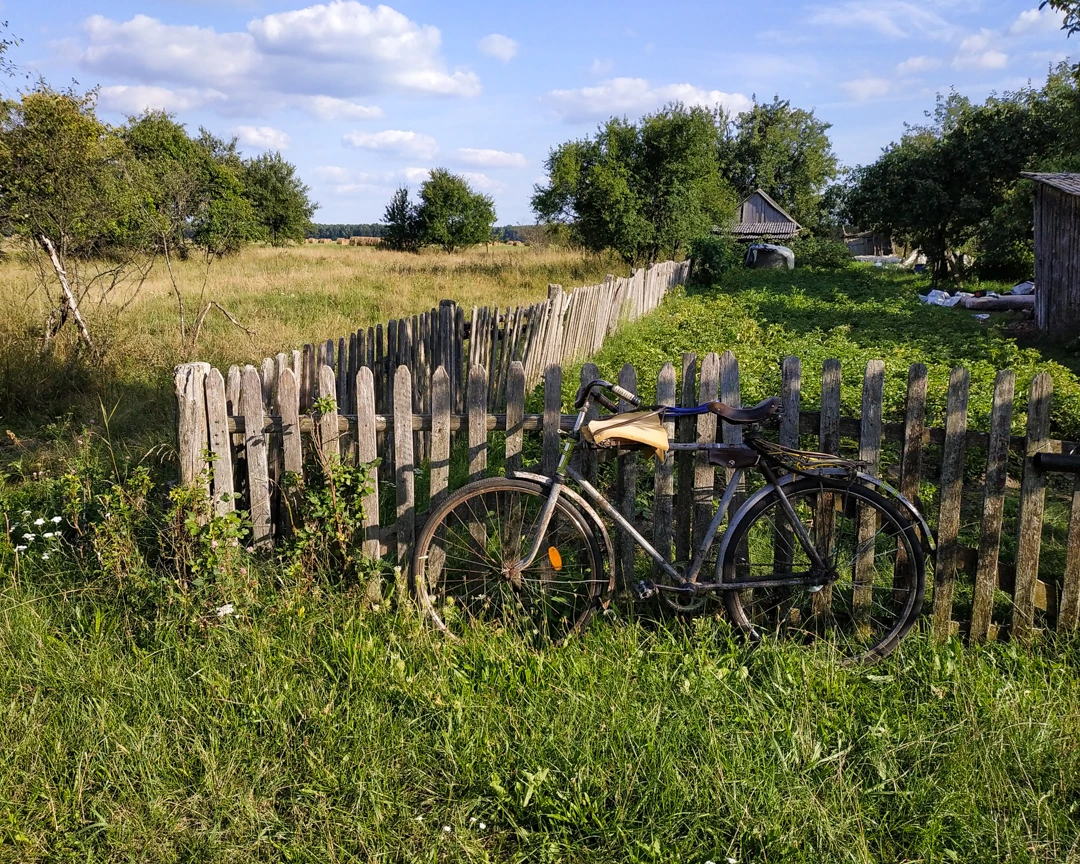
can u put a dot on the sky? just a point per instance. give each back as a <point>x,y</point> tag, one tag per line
<point>365,98</point>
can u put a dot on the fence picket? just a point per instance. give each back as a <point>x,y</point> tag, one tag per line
<point>549,460</point>
<point>329,437</point>
<point>626,489</point>
<point>952,485</point>
<point>828,442</point>
<point>587,455</point>
<point>664,479</point>
<point>366,453</point>
<point>477,405</point>
<point>997,461</point>
<point>1069,611</point>
<point>684,461</point>
<point>287,406</point>
<point>1032,501</point>
<point>251,408</point>
<point>217,419</point>
<point>790,392</point>
<point>870,453</point>
<point>515,413</point>
<point>706,434</point>
<point>189,379</point>
<point>404,479</point>
<point>440,435</point>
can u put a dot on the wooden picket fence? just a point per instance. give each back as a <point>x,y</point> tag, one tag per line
<point>257,434</point>
<point>560,329</point>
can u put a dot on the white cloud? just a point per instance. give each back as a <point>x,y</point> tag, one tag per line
<point>482,182</point>
<point>415,175</point>
<point>498,46</point>
<point>633,96</point>
<point>1044,20</point>
<point>917,65</point>
<point>978,51</point>
<point>339,50</point>
<point>396,141</point>
<point>331,172</point>
<point>602,67</point>
<point>263,137</point>
<point>895,19</point>
<point>332,108</point>
<point>490,158</point>
<point>138,98</point>
<point>865,89</point>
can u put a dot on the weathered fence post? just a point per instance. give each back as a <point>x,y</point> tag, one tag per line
<point>664,481</point>
<point>251,407</point>
<point>404,478</point>
<point>367,450</point>
<point>189,379</point>
<point>1032,500</point>
<point>217,416</point>
<point>952,486</point>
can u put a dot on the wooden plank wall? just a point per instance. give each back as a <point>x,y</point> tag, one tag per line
<point>979,587</point>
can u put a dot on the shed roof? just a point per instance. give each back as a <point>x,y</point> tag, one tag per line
<point>763,218</point>
<point>765,229</point>
<point>1065,182</point>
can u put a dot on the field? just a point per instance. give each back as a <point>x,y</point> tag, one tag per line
<point>166,695</point>
<point>286,296</point>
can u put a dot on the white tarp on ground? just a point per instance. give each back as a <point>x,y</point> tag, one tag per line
<point>940,298</point>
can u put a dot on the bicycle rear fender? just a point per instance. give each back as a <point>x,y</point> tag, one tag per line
<point>881,486</point>
<point>589,512</point>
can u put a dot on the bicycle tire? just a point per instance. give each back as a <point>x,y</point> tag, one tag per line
<point>546,602</point>
<point>845,615</point>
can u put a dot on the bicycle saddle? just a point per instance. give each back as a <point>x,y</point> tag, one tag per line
<point>741,416</point>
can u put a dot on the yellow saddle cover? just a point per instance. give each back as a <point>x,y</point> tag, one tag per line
<point>634,427</point>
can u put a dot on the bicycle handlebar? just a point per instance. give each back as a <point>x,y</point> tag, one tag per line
<point>1065,462</point>
<point>595,386</point>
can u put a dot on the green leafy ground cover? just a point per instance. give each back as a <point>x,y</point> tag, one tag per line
<point>853,315</point>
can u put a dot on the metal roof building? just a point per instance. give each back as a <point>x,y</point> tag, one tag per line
<point>761,217</point>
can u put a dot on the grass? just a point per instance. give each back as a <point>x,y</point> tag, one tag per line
<point>310,728</point>
<point>138,724</point>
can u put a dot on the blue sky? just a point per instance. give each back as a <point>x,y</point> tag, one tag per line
<point>363,98</point>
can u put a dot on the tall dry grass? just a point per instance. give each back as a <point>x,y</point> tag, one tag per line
<point>285,296</point>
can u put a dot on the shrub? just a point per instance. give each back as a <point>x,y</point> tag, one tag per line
<point>821,252</point>
<point>712,256</point>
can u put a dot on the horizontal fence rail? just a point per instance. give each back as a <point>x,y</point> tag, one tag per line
<point>989,579</point>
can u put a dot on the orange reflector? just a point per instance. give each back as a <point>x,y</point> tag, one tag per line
<point>554,557</point>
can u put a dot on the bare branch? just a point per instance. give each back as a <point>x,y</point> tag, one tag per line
<point>202,317</point>
<point>69,298</point>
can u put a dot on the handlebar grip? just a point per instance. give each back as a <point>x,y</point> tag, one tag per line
<point>1069,463</point>
<point>611,406</point>
<point>626,395</point>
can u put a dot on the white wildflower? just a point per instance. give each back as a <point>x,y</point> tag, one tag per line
<point>446,828</point>
<point>48,535</point>
<point>39,521</point>
<point>472,820</point>
<point>20,548</point>
<point>44,556</point>
<point>419,818</point>
<point>482,826</point>
<point>25,512</point>
<point>56,520</point>
<point>28,536</point>
<point>223,611</point>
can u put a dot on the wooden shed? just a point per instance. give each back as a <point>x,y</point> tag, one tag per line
<point>761,217</point>
<point>1057,253</point>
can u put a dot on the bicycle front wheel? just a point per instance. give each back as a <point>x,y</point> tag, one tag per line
<point>467,566</point>
<point>870,549</point>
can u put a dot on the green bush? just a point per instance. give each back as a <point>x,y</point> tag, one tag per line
<point>712,256</point>
<point>821,252</point>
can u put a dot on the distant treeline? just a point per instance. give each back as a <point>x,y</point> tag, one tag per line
<point>378,229</point>
<point>335,232</point>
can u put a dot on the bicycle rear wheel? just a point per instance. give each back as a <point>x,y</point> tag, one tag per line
<point>867,543</point>
<point>466,567</point>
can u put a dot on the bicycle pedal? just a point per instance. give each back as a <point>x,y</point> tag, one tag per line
<point>645,590</point>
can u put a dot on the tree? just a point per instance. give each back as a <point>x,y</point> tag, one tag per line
<point>195,197</point>
<point>72,193</point>
<point>278,197</point>
<point>1070,9</point>
<point>785,151</point>
<point>402,222</point>
<point>643,189</point>
<point>449,214</point>
<point>952,185</point>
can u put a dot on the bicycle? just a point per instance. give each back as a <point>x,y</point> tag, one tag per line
<point>822,553</point>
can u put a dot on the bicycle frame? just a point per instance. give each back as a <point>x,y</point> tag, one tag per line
<point>685,583</point>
